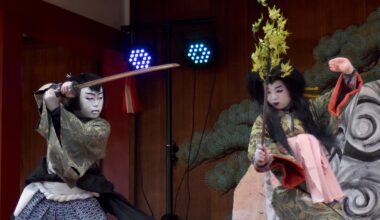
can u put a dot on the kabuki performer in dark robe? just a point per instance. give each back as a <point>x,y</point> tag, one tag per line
<point>67,184</point>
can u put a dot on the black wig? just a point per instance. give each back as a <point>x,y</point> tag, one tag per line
<point>72,104</point>
<point>299,106</point>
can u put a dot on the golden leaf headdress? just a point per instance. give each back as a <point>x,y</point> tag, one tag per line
<point>270,48</point>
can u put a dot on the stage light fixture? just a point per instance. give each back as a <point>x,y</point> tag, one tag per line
<point>199,53</point>
<point>139,58</point>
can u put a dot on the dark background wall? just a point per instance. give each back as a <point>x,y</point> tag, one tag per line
<point>193,96</point>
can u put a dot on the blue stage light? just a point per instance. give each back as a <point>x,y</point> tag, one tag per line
<point>139,58</point>
<point>199,53</point>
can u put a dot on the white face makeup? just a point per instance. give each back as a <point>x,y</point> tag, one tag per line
<point>278,95</point>
<point>90,102</point>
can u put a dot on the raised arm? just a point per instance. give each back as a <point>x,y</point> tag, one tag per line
<point>348,84</point>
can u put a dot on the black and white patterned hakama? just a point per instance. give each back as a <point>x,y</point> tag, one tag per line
<point>40,208</point>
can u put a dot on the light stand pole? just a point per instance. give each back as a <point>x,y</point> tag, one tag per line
<point>171,147</point>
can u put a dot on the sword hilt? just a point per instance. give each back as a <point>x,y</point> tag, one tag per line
<point>74,88</point>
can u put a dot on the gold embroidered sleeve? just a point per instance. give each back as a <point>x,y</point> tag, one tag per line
<point>321,115</point>
<point>255,138</point>
<point>318,107</point>
<point>83,143</point>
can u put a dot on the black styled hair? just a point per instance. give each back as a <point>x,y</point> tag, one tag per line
<point>299,106</point>
<point>295,83</point>
<point>72,104</point>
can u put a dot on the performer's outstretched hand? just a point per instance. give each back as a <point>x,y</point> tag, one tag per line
<point>341,65</point>
<point>262,155</point>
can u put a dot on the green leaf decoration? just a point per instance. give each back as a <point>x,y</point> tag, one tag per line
<point>272,46</point>
<point>262,2</point>
<point>256,25</point>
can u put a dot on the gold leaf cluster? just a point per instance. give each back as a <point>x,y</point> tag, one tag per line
<point>272,46</point>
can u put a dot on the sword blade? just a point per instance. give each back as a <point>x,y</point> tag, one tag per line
<point>127,74</point>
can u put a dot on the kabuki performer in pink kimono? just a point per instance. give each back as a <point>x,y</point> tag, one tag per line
<point>67,184</point>
<point>299,137</point>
